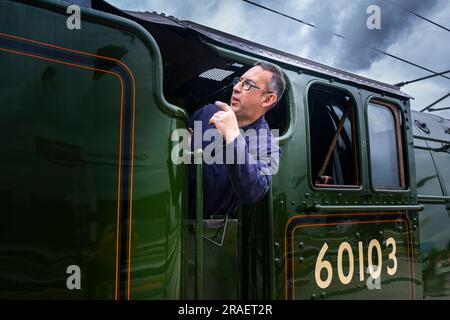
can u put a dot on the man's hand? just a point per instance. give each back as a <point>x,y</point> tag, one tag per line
<point>225,122</point>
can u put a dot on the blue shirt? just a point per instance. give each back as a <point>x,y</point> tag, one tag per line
<point>234,173</point>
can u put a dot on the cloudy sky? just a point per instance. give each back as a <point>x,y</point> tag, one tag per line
<point>402,34</point>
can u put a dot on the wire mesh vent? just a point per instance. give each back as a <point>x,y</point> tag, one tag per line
<point>216,74</point>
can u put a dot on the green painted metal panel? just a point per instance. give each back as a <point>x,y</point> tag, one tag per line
<point>434,221</point>
<point>354,256</point>
<point>89,181</point>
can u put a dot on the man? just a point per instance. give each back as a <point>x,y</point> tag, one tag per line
<point>243,133</point>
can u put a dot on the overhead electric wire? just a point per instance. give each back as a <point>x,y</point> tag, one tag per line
<point>409,62</point>
<point>342,37</point>
<point>287,16</point>
<point>401,84</point>
<point>418,15</point>
<point>436,102</point>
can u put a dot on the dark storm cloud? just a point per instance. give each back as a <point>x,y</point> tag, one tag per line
<point>395,25</point>
<point>401,34</point>
<point>349,18</point>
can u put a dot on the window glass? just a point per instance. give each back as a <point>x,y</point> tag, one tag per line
<point>384,146</point>
<point>334,160</point>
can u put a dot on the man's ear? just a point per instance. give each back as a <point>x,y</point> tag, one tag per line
<point>269,100</point>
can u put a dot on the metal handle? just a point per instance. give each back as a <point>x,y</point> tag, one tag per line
<point>199,225</point>
<point>337,208</point>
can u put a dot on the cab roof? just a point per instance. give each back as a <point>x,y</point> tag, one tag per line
<point>209,35</point>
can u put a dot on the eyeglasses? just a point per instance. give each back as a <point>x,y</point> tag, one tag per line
<point>246,84</point>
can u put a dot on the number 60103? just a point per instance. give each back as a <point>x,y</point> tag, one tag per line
<point>375,270</point>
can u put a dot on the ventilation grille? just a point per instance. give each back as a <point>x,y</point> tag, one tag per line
<point>216,74</point>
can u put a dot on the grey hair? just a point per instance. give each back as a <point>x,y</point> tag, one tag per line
<point>277,84</point>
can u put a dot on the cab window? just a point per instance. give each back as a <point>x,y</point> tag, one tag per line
<point>333,146</point>
<point>385,146</point>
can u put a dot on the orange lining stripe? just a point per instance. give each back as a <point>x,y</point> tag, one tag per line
<point>120,136</point>
<point>409,240</point>
<point>332,224</point>
<point>345,214</point>
<point>132,133</point>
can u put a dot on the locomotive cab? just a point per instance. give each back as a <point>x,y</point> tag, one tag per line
<point>94,205</point>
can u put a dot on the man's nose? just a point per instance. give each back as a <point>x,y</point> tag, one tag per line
<point>237,87</point>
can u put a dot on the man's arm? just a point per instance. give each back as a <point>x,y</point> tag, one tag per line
<point>251,179</point>
<point>251,168</point>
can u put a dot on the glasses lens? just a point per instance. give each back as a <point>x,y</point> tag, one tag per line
<point>235,81</point>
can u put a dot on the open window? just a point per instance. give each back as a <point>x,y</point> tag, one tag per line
<point>385,146</point>
<point>214,83</point>
<point>333,144</point>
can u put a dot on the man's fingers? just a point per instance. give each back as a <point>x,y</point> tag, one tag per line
<point>216,116</point>
<point>213,120</point>
<point>223,106</point>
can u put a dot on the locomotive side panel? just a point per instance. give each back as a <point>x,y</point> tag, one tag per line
<point>344,205</point>
<point>92,201</point>
<point>432,167</point>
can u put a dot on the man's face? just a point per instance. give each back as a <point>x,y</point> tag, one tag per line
<point>248,105</point>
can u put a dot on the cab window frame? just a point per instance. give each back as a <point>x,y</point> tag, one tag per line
<point>318,84</point>
<point>401,146</point>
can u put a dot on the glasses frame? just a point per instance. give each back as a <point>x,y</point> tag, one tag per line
<point>246,84</point>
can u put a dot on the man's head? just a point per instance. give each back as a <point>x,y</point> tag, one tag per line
<point>258,90</point>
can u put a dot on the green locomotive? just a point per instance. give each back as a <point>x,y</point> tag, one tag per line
<point>94,207</point>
